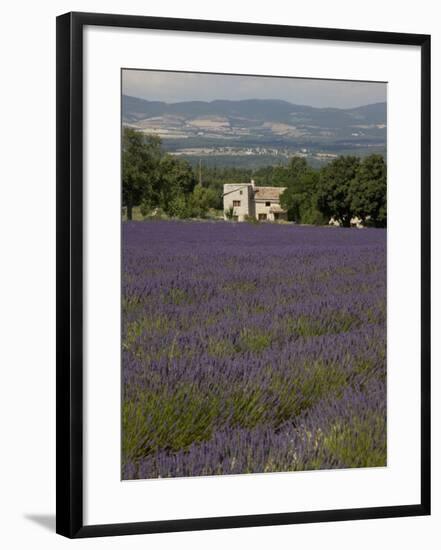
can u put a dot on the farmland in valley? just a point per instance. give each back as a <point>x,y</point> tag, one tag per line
<point>254,133</point>
<point>250,348</point>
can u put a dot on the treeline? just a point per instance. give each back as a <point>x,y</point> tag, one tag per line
<point>346,188</point>
<point>155,180</point>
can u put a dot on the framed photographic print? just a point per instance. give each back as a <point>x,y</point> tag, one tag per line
<point>243,274</point>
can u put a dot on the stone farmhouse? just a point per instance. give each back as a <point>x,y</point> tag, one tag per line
<point>246,200</point>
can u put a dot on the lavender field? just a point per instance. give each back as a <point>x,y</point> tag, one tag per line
<point>252,348</point>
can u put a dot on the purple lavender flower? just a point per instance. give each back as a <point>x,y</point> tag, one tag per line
<point>250,348</point>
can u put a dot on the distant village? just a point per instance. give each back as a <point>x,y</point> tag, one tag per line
<point>282,153</point>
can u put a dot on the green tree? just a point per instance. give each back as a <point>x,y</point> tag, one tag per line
<point>369,191</point>
<point>153,179</point>
<point>264,176</point>
<point>308,210</point>
<point>140,159</point>
<point>176,178</point>
<point>229,213</point>
<point>334,198</point>
<point>288,176</point>
<point>297,168</point>
<point>296,193</point>
<point>201,200</point>
<point>300,197</point>
<point>178,207</point>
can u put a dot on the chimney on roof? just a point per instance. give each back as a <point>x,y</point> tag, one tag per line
<point>252,183</point>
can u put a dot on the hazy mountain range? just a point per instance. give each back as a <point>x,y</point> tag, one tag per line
<point>258,130</point>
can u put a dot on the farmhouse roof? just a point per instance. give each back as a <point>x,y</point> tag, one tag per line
<point>268,193</point>
<point>276,208</point>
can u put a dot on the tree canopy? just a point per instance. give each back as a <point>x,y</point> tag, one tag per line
<point>140,159</point>
<point>346,188</point>
<point>152,178</point>
<point>368,192</point>
<point>300,197</point>
<point>334,189</point>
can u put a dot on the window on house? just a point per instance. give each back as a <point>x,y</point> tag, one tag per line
<point>236,203</point>
<point>267,203</point>
<point>240,192</point>
<point>262,216</point>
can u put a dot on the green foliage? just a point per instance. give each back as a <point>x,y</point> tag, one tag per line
<point>176,182</point>
<point>251,219</point>
<point>152,178</point>
<point>156,214</point>
<point>176,419</point>
<point>201,201</point>
<point>334,189</point>
<point>360,443</point>
<point>369,192</point>
<point>254,341</point>
<point>349,187</point>
<point>158,182</point>
<point>296,169</point>
<point>185,416</point>
<point>300,197</point>
<point>178,207</point>
<point>336,324</point>
<point>311,215</point>
<point>140,156</point>
<point>229,214</point>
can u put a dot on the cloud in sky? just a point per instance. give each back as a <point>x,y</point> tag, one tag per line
<point>178,86</point>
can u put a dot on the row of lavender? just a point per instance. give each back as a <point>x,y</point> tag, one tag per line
<point>252,348</point>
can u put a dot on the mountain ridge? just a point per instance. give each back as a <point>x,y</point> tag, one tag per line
<point>147,108</point>
<point>258,131</point>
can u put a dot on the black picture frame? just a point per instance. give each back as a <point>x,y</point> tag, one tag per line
<point>69,266</point>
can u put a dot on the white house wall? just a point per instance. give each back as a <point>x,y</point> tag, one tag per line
<point>241,193</point>
<point>249,206</point>
<point>262,209</point>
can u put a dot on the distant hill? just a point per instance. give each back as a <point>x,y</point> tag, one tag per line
<point>259,127</point>
<point>135,109</point>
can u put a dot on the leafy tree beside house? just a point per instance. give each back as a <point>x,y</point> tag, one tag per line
<point>289,176</point>
<point>368,192</point>
<point>300,197</point>
<point>334,198</point>
<point>294,195</point>
<point>201,201</point>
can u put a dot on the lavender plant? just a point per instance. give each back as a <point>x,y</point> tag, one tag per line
<point>252,348</point>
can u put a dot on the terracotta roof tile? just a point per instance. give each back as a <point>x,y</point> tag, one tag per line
<point>268,193</point>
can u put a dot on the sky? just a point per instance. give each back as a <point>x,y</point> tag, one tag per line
<point>173,87</point>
